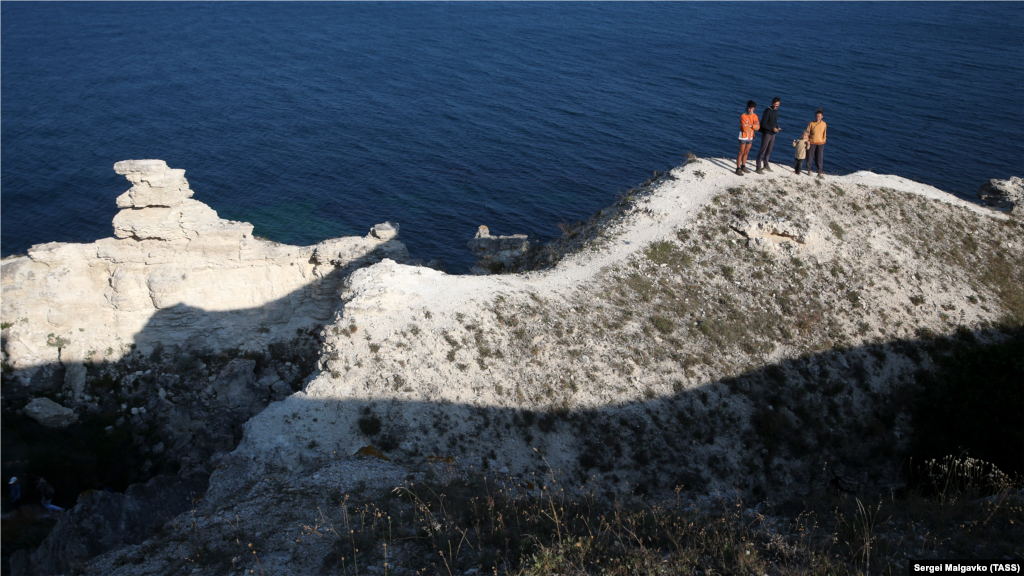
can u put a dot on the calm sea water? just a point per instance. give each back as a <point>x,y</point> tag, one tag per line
<point>318,120</point>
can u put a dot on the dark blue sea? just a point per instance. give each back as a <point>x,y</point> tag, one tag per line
<point>318,120</point>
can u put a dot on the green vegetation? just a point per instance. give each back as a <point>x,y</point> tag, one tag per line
<point>837,230</point>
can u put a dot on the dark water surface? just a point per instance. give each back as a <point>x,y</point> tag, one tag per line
<point>318,120</point>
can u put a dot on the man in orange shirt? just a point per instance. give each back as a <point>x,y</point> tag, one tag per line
<point>816,150</point>
<point>748,125</point>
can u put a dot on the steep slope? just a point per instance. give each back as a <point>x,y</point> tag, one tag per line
<point>723,332</point>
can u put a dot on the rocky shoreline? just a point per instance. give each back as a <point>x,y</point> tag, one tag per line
<point>707,331</point>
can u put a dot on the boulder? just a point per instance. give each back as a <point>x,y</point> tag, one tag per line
<point>236,385</point>
<point>74,379</point>
<point>1005,195</point>
<point>50,414</point>
<point>384,231</point>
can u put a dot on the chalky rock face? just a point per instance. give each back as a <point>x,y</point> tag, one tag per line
<point>1005,195</point>
<point>176,275</point>
<point>153,184</point>
<point>159,207</point>
<point>50,414</point>
<point>497,253</point>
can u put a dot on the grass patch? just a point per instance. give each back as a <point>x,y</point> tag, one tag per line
<point>837,230</point>
<point>662,324</point>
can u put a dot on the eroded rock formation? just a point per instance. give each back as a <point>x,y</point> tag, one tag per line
<point>497,253</point>
<point>1005,195</point>
<point>176,275</point>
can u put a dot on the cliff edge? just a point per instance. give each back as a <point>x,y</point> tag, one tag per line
<point>175,275</point>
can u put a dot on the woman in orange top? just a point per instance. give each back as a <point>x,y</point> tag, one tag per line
<point>748,125</point>
<point>816,151</point>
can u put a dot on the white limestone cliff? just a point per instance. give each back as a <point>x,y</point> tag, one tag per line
<point>175,275</point>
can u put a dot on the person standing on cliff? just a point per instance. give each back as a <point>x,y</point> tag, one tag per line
<point>748,124</point>
<point>769,128</point>
<point>816,151</point>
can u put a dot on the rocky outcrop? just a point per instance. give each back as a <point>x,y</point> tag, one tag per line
<point>1005,195</point>
<point>764,226</point>
<point>175,276</point>
<point>105,521</point>
<point>498,253</point>
<point>50,414</point>
<point>158,207</point>
<point>768,233</point>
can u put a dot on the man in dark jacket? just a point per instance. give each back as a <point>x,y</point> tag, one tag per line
<point>769,127</point>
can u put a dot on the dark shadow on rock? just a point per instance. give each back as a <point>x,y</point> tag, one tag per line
<point>103,521</point>
<point>768,432</point>
<point>173,405</point>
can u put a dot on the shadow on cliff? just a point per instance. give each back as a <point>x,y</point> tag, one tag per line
<point>859,411</point>
<point>781,430</point>
<point>157,408</point>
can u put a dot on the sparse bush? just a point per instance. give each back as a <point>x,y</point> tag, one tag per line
<point>662,324</point>
<point>660,252</point>
<point>854,297</point>
<point>837,230</point>
<point>370,424</point>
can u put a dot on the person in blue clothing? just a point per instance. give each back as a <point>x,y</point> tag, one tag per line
<point>15,490</point>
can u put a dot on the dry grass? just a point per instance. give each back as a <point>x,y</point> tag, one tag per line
<point>505,525</point>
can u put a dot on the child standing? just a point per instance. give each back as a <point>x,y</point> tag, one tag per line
<point>801,146</point>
